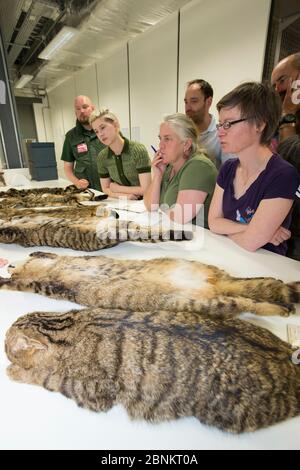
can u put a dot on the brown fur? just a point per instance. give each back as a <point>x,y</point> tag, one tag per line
<point>42,196</point>
<point>75,226</point>
<point>170,284</point>
<point>159,365</point>
<point>2,180</point>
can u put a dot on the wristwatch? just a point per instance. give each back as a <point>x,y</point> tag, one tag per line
<point>287,119</point>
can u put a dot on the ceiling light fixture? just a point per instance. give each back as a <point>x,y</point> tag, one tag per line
<point>64,36</point>
<point>23,80</point>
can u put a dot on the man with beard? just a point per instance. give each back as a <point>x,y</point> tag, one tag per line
<point>198,100</point>
<point>81,147</point>
<point>286,80</point>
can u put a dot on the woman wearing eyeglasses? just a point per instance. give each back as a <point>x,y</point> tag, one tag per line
<point>255,192</point>
<point>183,178</point>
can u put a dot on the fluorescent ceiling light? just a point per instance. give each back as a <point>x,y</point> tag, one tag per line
<point>65,34</point>
<point>23,80</point>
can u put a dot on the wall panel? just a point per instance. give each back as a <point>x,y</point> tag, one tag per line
<point>112,75</point>
<point>153,79</point>
<point>86,83</point>
<point>223,42</point>
<point>61,101</point>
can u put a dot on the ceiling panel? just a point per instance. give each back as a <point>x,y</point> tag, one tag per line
<point>103,27</point>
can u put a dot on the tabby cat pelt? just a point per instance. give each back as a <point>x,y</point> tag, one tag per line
<point>80,228</point>
<point>12,192</point>
<point>169,284</point>
<point>159,365</point>
<point>2,180</point>
<point>46,196</point>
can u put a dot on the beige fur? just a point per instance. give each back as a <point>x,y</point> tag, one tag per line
<point>159,365</point>
<point>68,224</point>
<point>170,284</point>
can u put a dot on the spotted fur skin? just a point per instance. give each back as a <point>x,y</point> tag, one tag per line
<point>170,284</point>
<point>160,365</point>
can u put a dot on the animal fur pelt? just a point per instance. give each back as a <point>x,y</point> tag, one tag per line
<point>55,217</point>
<point>47,197</point>
<point>79,228</point>
<point>168,284</point>
<point>159,365</point>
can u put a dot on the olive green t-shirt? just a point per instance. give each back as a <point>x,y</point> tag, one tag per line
<point>198,173</point>
<point>124,169</point>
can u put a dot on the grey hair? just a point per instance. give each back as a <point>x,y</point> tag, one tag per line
<point>185,128</point>
<point>104,114</point>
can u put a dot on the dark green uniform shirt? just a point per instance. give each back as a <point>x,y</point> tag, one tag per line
<point>82,146</point>
<point>124,169</point>
<point>197,173</point>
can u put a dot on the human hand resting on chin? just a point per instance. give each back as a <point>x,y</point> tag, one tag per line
<point>158,165</point>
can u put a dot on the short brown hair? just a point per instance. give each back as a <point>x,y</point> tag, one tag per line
<point>204,86</point>
<point>259,103</point>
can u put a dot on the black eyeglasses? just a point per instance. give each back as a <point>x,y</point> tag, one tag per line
<point>227,124</point>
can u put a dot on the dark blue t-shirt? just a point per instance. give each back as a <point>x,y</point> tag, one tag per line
<point>278,180</point>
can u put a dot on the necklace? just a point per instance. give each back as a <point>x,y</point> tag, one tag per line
<point>242,183</point>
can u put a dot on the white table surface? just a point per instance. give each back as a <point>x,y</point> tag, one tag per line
<point>34,418</point>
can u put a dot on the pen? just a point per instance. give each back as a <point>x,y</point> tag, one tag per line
<point>154,149</point>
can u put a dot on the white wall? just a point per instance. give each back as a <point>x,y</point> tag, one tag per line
<point>86,83</point>
<point>61,101</point>
<point>112,75</point>
<point>222,41</point>
<point>153,78</point>
<point>43,121</point>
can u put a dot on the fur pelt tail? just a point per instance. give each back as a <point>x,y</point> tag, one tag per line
<point>294,292</point>
<point>4,281</point>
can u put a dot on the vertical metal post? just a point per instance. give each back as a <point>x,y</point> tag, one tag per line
<point>8,122</point>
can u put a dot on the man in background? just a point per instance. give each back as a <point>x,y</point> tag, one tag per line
<point>284,79</point>
<point>198,100</point>
<point>81,147</point>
